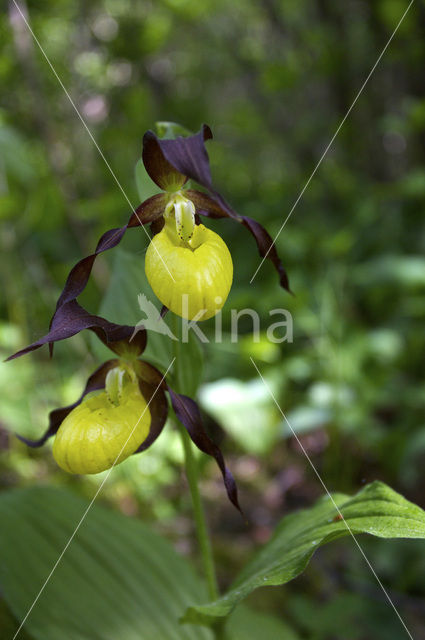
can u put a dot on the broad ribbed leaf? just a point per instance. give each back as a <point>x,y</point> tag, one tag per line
<point>8,624</point>
<point>117,579</point>
<point>376,509</point>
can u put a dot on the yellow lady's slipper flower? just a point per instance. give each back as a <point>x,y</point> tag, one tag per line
<point>123,408</point>
<point>198,257</point>
<point>106,428</point>
<point>188,266</point>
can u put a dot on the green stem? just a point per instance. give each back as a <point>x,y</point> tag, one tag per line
<point>193,479</point>
<point>201,525</point>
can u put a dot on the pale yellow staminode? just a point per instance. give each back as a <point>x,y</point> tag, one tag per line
<point>201,266</point>
<point>93,434</point>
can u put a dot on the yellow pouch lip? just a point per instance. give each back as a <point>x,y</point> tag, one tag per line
<point>98,434</point>
<point>202,270</point>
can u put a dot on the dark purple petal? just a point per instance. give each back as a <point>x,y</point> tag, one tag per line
<point>170,162</point>
<point>125,347</point>
<point>152,386</point>
<point>210,207</point>
<point>158,408</point>
<point>71,318</point>
<point>146,213</point>
<point>57,416</point>
<point>159,169</point>
<point>150,374</point>
<point>188,157</point>
<point>267,248</point>
<point>157,226</point>
<point>188,413</point>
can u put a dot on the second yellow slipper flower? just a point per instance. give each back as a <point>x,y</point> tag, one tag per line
<point>106,428</point>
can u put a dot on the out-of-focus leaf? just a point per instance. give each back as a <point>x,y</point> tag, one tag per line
<point>146,187</point>
<point>245,624</point>
<point>8,624</point>
<point>407,271</point>
<point>171,130</point>
<point>304,419</point>
<point>376,509</point>
<point>245,410</point>
<point>117,579</point>
<point>354,615</point>
<point>16,154</point>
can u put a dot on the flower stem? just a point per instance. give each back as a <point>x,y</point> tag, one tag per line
<point>201,525</point>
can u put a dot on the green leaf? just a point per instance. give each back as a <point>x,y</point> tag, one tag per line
<point>245,410</point>
<point>245,624</point>
<point>8,624</point>
<point>186,374</point>
<point>120,304</point>
<point>117,579</point>
<point>146,187</point>
<point>171,130</point>
<point>376,509</point>
<point>356,616</point>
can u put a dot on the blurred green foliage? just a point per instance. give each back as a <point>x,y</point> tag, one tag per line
<point>273,79</point>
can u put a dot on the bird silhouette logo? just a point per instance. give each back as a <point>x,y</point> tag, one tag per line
<point>153,321</point>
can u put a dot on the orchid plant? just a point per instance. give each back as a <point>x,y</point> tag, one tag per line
<point>125,402</point>
<point>190,269</point>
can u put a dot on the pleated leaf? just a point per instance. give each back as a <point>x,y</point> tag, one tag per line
<point>117,578</point>
<point>376,509</point>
